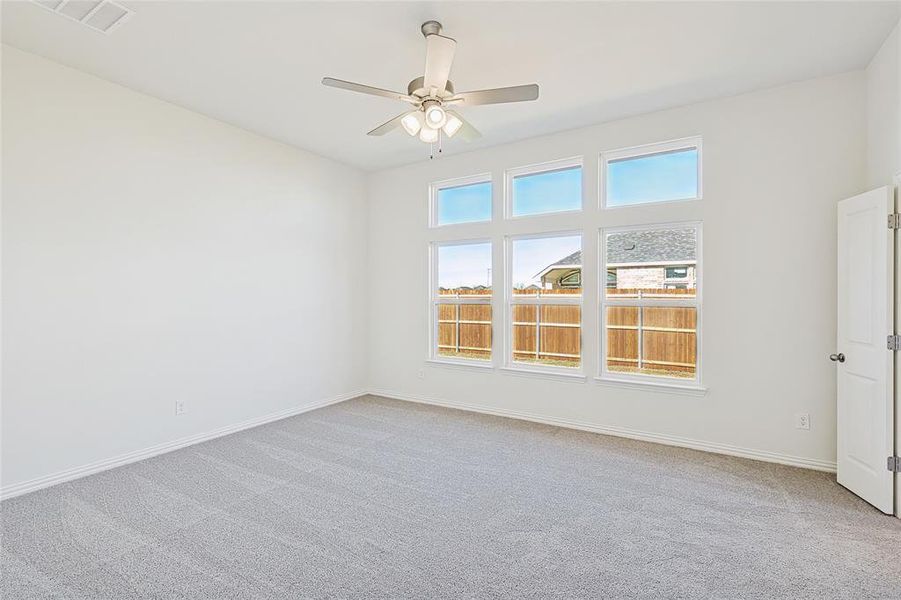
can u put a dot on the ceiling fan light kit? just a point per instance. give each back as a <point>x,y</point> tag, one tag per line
<point>432,94</point>
<point>412,122</point>
<point>428,135</point>
<point>452,126</point>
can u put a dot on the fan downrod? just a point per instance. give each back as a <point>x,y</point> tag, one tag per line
<point>431,28</point>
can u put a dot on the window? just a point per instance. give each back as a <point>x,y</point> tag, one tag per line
<point>572,280</point>
<point>650,324</point>
<point>548,188</point>
<point>677,272</point>
<point>657,173</point>
<point>461,201</point>
<point>461,300</point>
<point>611,279</point>
<point>545,329</point>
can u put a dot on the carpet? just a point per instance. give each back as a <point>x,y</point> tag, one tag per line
<point>376,498</point>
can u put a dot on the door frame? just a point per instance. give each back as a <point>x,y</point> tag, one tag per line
<point>897,378</point>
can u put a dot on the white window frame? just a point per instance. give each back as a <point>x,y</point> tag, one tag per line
<point>511,300</point>
<point>604,302</point>
<point>437,186</point>
<point>536,169</point>
<point>649,150</point>
<point>435,299</point>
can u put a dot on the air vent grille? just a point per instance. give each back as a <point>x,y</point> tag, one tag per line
<point>100,15</point>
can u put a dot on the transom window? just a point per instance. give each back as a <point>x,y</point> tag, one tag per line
<point>460,201</point>
<point>657,173</point>
<point>542,189</point>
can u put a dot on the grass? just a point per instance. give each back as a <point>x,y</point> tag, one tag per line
<point>551,362</point>
<point>468,354</point>
<point>649,371</point>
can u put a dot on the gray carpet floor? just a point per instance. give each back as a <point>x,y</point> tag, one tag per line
<point>374,498</point>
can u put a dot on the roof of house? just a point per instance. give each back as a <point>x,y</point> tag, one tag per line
<point>573,259</point>
<point>652,246</point>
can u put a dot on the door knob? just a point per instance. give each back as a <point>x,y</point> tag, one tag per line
<point>837,357</point>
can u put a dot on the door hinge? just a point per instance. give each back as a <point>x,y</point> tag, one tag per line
<point>894,464</point>
<point>893,342</point>
<point>894,221</point>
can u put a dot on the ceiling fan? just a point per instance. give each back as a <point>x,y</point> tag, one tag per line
<point>432,96</point>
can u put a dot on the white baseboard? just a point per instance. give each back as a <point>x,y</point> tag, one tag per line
<point>82,471</point>
<point>123,459</point>
<point>659,438</point>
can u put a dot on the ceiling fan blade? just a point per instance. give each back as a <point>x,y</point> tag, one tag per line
<point>518,93</point>
<point>388,125</point>
<point>365,89</point>
<point>467,132</point>
<point>439,56</point>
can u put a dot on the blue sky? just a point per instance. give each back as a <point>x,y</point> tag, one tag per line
<point>667,176</point>
<point>550,191</point>
<point>464,265</point>
<point>469,264</point>
<point>464,204</point>
<point>654,178</point>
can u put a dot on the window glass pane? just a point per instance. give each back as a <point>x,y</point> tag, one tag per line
<point>464,269</point>
<point>547,334</point>
<point>653,178</point>
<point>659,341</point>
<point>653,263</point>
<point>463,204</point>
<point>547,266</point>
<point>464,330</point>
<point>547,192</point>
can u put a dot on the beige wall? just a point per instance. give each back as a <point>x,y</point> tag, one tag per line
<point>775,164</point>
<point>151,254</point>
<point>884,113</point>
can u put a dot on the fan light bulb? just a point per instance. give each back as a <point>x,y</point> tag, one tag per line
<point>435,117</point>
<point>452,126</point>
<point>412,122</point>
<point>428,135</point>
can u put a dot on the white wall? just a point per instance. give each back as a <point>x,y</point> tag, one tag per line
<point>884,113</point>
<point>152,254</point>
<point>775,164</point>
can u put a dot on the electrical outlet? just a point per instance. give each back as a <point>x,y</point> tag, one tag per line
<point>421,374</point>
<point>179,407</point>
<point>802,421</point>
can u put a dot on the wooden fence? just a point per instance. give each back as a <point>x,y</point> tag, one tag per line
<point>661,340</point>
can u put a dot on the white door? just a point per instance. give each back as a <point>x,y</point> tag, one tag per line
<point>864,363</point>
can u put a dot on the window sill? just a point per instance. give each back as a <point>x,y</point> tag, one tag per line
<point>464,365</point>
<point>552,375</point>
<point>654,386</point>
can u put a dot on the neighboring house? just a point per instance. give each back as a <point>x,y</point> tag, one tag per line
<point>655,259</point>
<point>565,273</point>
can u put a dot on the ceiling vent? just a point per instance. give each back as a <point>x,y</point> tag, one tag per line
<point>100,15</point>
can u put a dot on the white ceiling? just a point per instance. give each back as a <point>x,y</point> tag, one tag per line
<point>258,65</point>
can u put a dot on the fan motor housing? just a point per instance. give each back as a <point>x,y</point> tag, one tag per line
<point>415,88</point>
